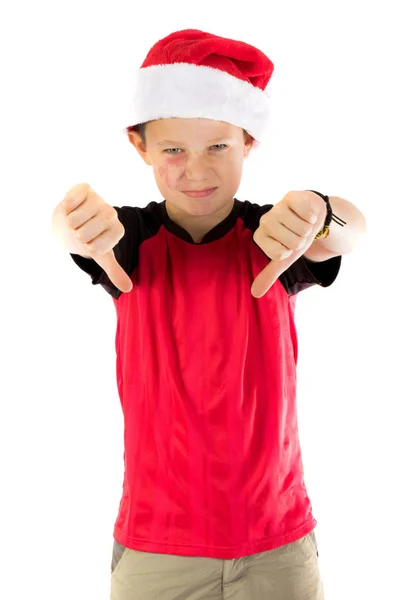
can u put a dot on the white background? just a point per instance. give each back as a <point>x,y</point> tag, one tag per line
<point>66,69</point>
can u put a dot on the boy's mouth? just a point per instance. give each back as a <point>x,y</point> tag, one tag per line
<point>199,193</point>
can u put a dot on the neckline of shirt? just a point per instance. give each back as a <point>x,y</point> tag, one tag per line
<point>214,234</point>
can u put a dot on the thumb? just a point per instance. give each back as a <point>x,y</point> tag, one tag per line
<point>265,280</point>
<point>115,272</point>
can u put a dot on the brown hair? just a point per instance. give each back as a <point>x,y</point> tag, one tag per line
<point>141,130</point>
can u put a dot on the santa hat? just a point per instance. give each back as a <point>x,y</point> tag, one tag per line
<point>194,74</point>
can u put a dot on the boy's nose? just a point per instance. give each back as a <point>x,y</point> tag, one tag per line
<point>196,169</point>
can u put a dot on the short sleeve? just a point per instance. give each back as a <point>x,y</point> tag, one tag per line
<point>126,251</point>
<point>305,273</point>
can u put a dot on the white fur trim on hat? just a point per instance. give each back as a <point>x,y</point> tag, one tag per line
<point>185,90</point>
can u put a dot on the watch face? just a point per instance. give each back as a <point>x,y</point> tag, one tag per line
<point>322,234</point>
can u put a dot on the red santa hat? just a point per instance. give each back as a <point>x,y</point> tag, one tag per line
<point>194,74</point>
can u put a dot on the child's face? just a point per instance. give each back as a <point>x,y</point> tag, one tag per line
<point>199,154</point>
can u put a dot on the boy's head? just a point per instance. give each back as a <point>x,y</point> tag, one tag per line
<point>190,155</point>
<point>199,105</point>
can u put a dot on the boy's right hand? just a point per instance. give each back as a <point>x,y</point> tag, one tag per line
<point>97,230</point>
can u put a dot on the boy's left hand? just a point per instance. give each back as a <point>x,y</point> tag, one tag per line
<point>286,226</point>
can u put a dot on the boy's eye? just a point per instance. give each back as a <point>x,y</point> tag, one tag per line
<point>170,150</point>
<point>214,147</point>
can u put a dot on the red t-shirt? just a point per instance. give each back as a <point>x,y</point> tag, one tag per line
<point>206,376</point>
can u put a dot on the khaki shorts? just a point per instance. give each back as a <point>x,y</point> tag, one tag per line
<point>290,572</point>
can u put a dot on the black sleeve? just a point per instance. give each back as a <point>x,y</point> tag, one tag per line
<point>126,251</point>
<point>305,273</point>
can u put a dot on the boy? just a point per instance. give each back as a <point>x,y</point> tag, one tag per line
<point>214,503</point>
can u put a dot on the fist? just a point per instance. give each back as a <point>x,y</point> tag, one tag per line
<point>97,230</point>
<point>285,233</point>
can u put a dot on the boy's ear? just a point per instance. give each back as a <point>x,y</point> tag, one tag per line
<point>248,144</point>
<point>136,141</point>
